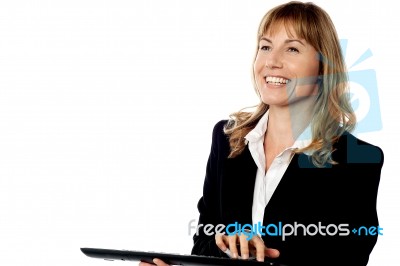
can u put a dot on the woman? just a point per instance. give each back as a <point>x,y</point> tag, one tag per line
<point>292,163</point>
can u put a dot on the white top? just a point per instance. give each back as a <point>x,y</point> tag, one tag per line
<point>266,183</point>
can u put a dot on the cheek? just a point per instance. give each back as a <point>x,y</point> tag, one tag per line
<point>258,64</point>
<point>314,70</point>
<point>313,66</point>
<point>308,72</point>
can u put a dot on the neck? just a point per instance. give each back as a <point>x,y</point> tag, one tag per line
<point>286,123</point>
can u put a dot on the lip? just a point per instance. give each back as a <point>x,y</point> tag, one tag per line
<point>277,76</point>
<point>275,85</point>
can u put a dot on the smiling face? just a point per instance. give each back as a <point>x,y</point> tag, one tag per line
<point>286,67</point>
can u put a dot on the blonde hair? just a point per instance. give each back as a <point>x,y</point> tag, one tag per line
<point>333,112</point>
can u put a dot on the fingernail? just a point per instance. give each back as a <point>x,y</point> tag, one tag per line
<point>235,255</point>
<point>245,256</point>
<point>260,259</point>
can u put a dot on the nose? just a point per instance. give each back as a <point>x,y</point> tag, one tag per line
<point>274,60</point>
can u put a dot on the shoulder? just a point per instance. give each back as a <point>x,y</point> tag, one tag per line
<point>219,127</point>
<point>218,131</point>
<point>220,141</point>
<point>354,150</point>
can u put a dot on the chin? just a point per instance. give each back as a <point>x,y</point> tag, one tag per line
<point>275,102</point>
<point>281,100</point>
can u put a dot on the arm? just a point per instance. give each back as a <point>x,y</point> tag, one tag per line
<point>344,193</point>
<point>360,245</point>
<point>208,204</point>
<point>358,207</point>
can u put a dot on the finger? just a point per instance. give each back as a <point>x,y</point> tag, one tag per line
<point>142,263</point>
<point>244,247</point>
<point>232,246</point>
<point>219,241</point>
<point>159,262</point>
<point>271,252</point>
<point>258,244</point>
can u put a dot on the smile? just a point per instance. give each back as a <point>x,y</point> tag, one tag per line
<point>276,80</point>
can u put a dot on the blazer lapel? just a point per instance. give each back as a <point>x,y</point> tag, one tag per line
<point>237,188</point>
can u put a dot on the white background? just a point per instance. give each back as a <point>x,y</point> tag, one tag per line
<point>107,108</point>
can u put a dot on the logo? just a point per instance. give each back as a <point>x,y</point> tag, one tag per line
<point>284,230</point>
<point>364,94</point>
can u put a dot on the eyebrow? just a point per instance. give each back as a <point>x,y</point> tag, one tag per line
<point>286,41</point>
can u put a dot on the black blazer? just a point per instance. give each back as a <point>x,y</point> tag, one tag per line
<point>344,193</point>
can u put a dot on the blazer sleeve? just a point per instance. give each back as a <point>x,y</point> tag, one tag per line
<point>367,172</point>
<point>208,204</point>
<point>357,206</point>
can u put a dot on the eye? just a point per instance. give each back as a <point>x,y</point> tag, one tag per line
<point>293,49</point>
<point>265,47</point>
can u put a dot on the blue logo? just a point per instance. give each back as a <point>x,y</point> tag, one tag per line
<point>364,94</point>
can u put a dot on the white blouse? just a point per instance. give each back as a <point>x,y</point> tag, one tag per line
<point>266,182</point>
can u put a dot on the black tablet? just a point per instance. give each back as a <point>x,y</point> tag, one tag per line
<point>172,259</point>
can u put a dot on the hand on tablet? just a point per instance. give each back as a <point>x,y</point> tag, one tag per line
<point>156,261</point>
<point>255,246</point>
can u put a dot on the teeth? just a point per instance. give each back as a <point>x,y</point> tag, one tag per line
<point>276,80</point>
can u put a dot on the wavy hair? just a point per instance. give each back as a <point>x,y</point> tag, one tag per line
<point>333,113</point>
